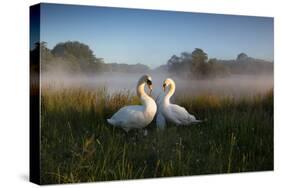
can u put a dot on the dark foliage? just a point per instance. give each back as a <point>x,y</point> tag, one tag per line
<point>76,57</point>
<point>197,65</point>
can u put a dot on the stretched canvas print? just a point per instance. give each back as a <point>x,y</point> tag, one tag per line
<point>118,94</point>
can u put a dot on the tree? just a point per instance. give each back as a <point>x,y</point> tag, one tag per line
<point>216,69</point>
<point>46,56</point>
<point>78,55</point>
<point>199,65</point>
<point>199,56</point>
<point>41,53</point>
<point>242,57</point>
<point>174,64</point>
<point>180,65</point>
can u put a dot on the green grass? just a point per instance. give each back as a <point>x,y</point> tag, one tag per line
<point>77,145</point>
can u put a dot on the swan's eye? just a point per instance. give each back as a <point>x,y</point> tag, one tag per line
<point>149,82</point>
<point>164,85</point>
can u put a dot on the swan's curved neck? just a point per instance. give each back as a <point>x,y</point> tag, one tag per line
<point>142,94</point>
<point>170,93</point>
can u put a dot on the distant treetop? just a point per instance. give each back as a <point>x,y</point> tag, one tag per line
<point>242,56</point>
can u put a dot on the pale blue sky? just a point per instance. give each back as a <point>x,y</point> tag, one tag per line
<point>152,37</point>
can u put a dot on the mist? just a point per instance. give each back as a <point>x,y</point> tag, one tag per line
<point>233,85</point>
<point>73,64</point>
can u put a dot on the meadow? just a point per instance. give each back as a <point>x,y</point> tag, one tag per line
<point>78,145</point>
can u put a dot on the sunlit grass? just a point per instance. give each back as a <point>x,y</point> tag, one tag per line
<point>77,144</point>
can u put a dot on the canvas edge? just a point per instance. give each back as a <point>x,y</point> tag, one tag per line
<point>34,95</point>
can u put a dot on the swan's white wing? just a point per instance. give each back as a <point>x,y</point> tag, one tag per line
<point>180,115</point>
<point>160,121</point>
<point>128,117</point>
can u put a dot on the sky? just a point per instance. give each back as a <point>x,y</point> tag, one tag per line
<point>151,37</point>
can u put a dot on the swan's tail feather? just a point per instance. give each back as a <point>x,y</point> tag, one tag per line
<point>111,122</point>
<point>198,121</point>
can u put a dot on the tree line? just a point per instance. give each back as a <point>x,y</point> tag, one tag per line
<point>197,65</point>
<point>76,57</point>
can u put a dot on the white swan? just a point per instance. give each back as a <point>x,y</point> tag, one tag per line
<point>136,116</point>
<point>172,112</point>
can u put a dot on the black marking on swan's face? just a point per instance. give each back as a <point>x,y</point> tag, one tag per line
<point>164,87</point>
<point>149,82</point>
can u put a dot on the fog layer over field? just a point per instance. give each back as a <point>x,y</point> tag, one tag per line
<point>233,85</point>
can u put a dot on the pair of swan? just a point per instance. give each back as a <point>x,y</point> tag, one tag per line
<point>139,116</point>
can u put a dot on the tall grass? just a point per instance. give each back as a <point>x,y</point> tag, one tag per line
<point>77,145</point>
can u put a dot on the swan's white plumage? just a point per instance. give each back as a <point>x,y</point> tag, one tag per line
<point>136,116</point>
<point>172,112</point>
<point>160,120</point>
